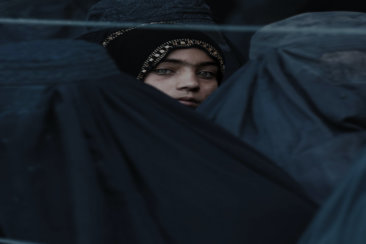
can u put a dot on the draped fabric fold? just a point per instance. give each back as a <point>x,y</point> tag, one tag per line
<point>89,158</point>
<point>342,217</point>
<point>300,100</point>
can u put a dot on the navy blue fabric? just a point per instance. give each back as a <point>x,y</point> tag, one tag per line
<point>105,159</point>
<point>301,99</point>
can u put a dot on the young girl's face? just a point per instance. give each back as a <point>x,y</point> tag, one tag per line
<point>188,75</point>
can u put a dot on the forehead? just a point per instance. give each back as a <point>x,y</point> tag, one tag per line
<point>190,55</point>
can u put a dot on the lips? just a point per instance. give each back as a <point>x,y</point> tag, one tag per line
<point>190,102</point>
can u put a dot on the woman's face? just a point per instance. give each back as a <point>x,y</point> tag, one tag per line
<point>188,75</point>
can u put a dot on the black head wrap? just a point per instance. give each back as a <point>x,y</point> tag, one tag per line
<point>139,51</point>
<point>301,100</point>
<point>133,48</point>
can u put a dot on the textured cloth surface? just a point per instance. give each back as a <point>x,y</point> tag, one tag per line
<point>342,217</point>
<point>107,159</point>
<point>301,99</point>
<point>146,11</point>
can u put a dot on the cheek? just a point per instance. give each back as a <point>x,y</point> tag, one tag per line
<point>160,83</point>
<point>207,89</point>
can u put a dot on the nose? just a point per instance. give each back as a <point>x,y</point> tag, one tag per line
<point>188,80</point>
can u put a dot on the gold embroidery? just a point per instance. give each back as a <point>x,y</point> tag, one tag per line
<point>114,35</point>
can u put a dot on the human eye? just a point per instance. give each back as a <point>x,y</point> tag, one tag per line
<point>207,74</point>
<point>163,71</point>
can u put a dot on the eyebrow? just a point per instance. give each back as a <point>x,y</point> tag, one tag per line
<point>203,64</point>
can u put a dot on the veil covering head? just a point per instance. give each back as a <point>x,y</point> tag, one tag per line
<point>301,99</point>
<point>137,50</point>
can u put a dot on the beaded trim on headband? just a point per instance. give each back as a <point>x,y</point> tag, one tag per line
<point>159,53</point>
<point>114,35</point>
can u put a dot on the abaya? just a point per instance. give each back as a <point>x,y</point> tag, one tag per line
<point>89,155</point>
<point>301,98</point>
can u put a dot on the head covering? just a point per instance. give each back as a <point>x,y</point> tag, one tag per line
<point>301,100</point>
<point>96,157</point>
<point>133,48</point>
<point>137,52</point>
